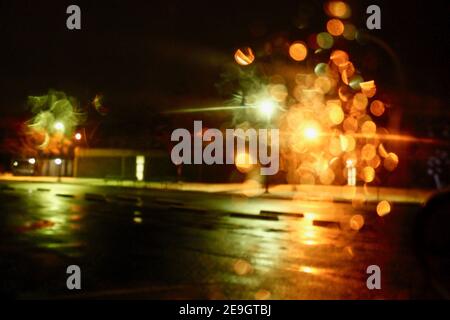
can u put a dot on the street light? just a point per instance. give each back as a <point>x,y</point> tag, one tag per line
<point>59,126</point>
<point>58,162</point>
<point>311,133</point>
<point>78,136</point>
<point>266,108</point>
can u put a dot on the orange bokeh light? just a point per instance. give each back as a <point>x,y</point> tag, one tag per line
<point>335,27</point>
<point>298,51</point>
<point>244,57</point>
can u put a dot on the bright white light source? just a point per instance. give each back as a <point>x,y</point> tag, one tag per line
<point>140,162</point>
<point>311,133</point>
<point>32,161</point>
<point>267,108</point>
<point>78,136</point>
<point>58,161</point>
<point>59,126</point>
<point>15,163</point>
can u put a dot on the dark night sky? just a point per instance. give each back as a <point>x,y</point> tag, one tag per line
<point>149,55</point>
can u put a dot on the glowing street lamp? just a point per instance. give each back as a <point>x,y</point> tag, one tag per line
<point>78,136</point>
<point>58,161</point>
<point>266,108</point>
<point>311,133</point>
<point>59,126</point>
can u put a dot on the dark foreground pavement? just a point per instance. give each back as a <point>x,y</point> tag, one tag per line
<point>176,245</point>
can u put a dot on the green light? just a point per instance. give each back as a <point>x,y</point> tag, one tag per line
<point>355,81</point>
<point>325,40</point>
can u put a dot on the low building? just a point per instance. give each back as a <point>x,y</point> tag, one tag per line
<point>123,164</point>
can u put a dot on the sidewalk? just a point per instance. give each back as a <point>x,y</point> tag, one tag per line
<point>284,191</point>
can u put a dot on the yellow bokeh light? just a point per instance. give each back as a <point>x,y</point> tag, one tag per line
<point>368,174</point>
<point>360,101</point>
<point>323,84</point>
<point>383,208</point>
<point>242,267</point>
<point>368,88</point>
<point>336,114</point>
<point>338,9</point>
<point>348,143</point>
<point>369,128</point>
<point>335,147</point>
<point>243,162</point>
<point>298,51</point>
<point>368,152</point>
<point>327,176</point>
<point>244,57</point>
<point>391,161</point>
<point>278,92</point>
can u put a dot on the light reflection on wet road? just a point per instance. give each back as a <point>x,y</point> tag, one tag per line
<point>154,244</point>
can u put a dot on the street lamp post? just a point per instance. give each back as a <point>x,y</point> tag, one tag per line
<point>267,108</point>
<point>59,128</point>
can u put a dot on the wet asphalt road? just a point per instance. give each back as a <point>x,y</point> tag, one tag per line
<point>184,245</point>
